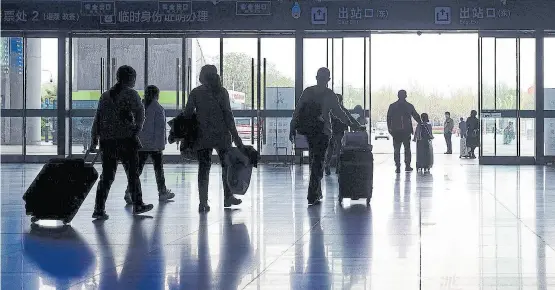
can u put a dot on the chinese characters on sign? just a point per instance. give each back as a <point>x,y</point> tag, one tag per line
<point>353,15</point>
<point>156,17</point>
<point>21,16</point>
<point>472,15</point>
<point>175,7</point>
<point>96,8</point>
<point>249,8</point>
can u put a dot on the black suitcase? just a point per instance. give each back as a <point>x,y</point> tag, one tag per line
<point>59,189</point>
<point>356,171</point>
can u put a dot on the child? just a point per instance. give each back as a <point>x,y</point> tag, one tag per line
<point>424,150</point>
<point>153,141</point>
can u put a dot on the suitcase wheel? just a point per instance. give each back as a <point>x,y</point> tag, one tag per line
<point>34,219</point>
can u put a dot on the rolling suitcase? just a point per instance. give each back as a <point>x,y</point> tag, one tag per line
<point>60,188</point>
<point>424,155</point>
<point>464,148</point>
<point>356,168</point>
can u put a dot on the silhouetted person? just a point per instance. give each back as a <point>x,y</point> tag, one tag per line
<point>448,126</point>
<point>312,119</point>
<point>216,125</point>
<point>153,140</point>
<point>119,119</point>
<point>399,125</point>
<point>472,133</point>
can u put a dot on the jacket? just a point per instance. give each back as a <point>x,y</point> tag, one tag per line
<point>153,136</point>
<point>448,126</point>
<point>216,124</point>
<point>399,117</point>
<point>240,163</point>
<point>329,103</point>
<point>118,117</point>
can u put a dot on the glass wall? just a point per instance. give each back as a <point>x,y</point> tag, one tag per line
<point>29,82</point>
<point>438,71</point>
<point>507,79</point>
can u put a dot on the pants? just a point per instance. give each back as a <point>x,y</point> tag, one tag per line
<point>333,148</point>
<point>204,164</point>
<point>126,151</point>
<point>448,142</point>
<point>158,168</point>
<point>398,140</point>
<point>317,145</point>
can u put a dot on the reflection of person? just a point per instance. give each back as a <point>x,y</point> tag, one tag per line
<point>337,131</point>
<point>312,118</point>
<point>84,127</point>
<point>399,125</point>
<point>472,133</point>
<point>153,140</point>
<point>216,125</point>
<point>448,126</point>
<point>119,119</point>
<point>509,134</point>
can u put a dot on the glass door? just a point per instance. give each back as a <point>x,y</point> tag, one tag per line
<point>88,79</point>
<point>241,77</point>
<point>506,99</point>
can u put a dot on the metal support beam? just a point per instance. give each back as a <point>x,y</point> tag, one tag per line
<point>61,98</point>
<point>540,152</point>
<point>299,47</point>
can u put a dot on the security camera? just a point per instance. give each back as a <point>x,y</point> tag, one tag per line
<point>419,33</point>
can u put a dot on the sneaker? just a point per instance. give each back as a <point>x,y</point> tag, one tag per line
<point>139,209</point>
<point>229,201</point>
<point>408,169</point>
<point>203,207</point>
<point>127,197</point>
<point>398,170</point>
<point>100,215</point>
<point>166,195</point>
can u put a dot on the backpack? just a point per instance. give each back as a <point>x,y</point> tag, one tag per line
<point>310,119</point>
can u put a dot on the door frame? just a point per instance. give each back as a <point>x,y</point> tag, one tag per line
<point>518,114</point>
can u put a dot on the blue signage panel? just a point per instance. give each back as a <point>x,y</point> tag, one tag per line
<point>277,15</point>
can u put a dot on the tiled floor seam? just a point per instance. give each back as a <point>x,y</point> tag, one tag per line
<point>147,253</point>
<point>520,220</point>
<point>283,253</point>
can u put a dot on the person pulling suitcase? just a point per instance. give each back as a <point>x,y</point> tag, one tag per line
<point>118,120</point>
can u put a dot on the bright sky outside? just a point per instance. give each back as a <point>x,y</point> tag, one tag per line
<point>434,61</point>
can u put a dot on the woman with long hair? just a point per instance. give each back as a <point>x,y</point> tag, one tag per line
<point>472,133</point>
<point>216,130</point>
<point>153,140</point>
<point>119,119</point>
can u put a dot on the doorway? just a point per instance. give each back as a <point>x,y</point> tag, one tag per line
<point>507,98</point>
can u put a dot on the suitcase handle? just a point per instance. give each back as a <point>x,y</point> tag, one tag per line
<point>87,155</point>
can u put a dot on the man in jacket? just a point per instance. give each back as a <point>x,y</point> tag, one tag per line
<point>399,125</point>
<point>119,119</point>
<point>313,112</point>
<point>448,132</point>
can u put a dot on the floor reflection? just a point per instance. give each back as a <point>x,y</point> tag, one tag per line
<point>468,227</point>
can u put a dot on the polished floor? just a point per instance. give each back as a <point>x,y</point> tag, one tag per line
<point>463,226</point>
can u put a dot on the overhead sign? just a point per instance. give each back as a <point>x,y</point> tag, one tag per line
<point>249,8</point>
<point>165,15</point>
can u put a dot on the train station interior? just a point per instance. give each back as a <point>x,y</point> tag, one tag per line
<point>479,223</point>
